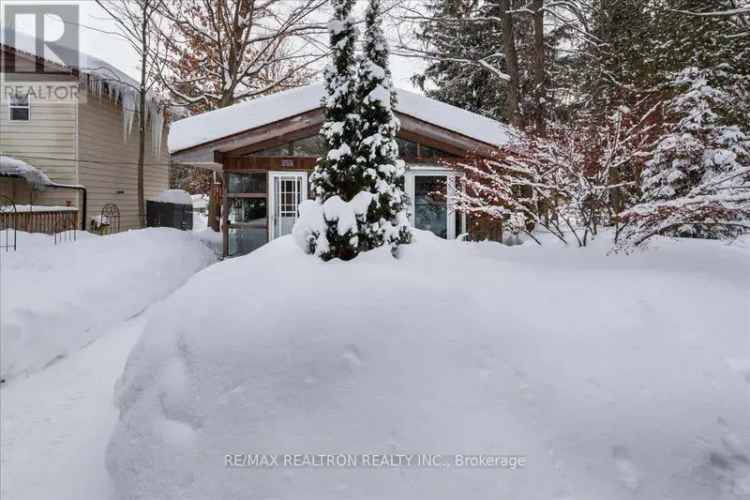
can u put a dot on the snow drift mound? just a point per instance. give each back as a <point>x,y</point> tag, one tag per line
<point>57,298</point>
<point>599,374</point>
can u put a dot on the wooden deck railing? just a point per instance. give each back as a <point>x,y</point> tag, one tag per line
<point>47,220</point>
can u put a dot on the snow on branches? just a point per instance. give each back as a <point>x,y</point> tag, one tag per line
<point>697,183</point>
<point>378,156</point>
<point>362,162</point>
<point>570,183</point>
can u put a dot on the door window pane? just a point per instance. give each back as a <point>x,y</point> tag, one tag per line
<point>251,182</point>
<point>431,204</point>
<point>288,195</point>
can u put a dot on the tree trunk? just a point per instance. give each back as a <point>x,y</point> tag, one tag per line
<point>512,111</point>
<point>142,124</point>
<point>537,6</point>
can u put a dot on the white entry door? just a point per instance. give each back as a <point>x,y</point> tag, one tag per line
<point>286,190</point>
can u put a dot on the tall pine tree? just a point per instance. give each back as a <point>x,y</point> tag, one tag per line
<point>377,155</point>
<point>337,174</point>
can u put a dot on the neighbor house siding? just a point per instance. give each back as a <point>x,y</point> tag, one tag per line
<point>108,161</point>
<point>47,140</point>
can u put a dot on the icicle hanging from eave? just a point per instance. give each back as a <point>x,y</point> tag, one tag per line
<point>129,109</point>
<point>127,97</point>
<point>156,121</point>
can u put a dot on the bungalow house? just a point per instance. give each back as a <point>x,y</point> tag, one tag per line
<point>265,150</point>
<point>75,128</point>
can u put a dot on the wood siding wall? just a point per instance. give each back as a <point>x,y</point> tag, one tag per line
<point>47,140</point>
<point>108,161</point>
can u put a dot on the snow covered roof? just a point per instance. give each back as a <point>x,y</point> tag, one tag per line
<point>10,166</point>
<point>86,63</point>
<point>220,123</point>
<point>175,196</point>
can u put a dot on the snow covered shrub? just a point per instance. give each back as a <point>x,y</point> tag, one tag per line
<point>569,182</point>
<point>697,181</point>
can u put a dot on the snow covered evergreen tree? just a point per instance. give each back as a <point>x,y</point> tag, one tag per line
<point>337,175</point>
<point>697,180</point>
<point>377,155</point>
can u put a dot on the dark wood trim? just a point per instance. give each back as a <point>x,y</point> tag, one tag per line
<point>267,163</point>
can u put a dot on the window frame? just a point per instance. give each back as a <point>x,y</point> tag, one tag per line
<point>451,180</point>
<point>12,106</point>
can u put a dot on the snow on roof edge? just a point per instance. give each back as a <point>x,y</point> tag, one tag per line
<point>214,125</point>
<point>10,166</point>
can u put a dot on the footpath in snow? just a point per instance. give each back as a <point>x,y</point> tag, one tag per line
<point>55,423</point>
<point>54,299</point>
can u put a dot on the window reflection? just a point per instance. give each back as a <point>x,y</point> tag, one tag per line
<point>431,204</point>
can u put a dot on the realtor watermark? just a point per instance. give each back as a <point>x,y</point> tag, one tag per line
<point>49,92</point>
<point>52,48</point>
<point>45,39</point>
<point>374,460</point>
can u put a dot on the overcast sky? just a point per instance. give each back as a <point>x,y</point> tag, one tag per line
<point>97,40</point>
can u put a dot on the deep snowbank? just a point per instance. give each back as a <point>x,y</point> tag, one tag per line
<point>615,377</point>
<point>55,298</point>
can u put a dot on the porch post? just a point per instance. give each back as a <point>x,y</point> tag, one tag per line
<point>225,218</point>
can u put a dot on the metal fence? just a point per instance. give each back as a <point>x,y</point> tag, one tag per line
<point>60,223</point>
<point>108,221</point>
<point>162,214</point>
<point>8,213</point>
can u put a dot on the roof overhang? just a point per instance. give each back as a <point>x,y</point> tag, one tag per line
<point>211,154</point>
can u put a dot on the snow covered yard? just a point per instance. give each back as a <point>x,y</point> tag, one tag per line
<point>57,298</point>
<point>55,423</point>
<point>612,376</point>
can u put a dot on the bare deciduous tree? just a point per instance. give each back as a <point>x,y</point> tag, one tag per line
<point>225,51</point>
<point>137,22</point>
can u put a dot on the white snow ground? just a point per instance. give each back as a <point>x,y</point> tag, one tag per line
<point>616,377</point>
<point>55,423</point>
<point>57,298</point>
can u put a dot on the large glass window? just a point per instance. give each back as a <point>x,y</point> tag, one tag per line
<point>243,240</point>
<point>427,152</point>
<point>431,204</point>
<point>251,182</point>
<point>309,146</point>
<point>406,148</point>
<point>282,150</point>
<point>248,211</point>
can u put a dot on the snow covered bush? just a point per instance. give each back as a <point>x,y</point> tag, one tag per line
<point>58,298</point>
<point>697,182</point>
<point>571,182</point>
<point>640,397</point>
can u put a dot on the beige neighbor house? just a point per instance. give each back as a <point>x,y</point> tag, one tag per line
<point>74,126</point>
<point>265,149</point>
